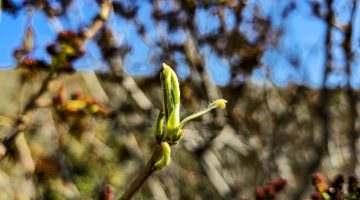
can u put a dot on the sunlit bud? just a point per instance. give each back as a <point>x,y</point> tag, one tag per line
<point>75,105</point>
<point>94,108</point>
<point>165,159</point>
<point>221,103</point>
<point>171,99</point>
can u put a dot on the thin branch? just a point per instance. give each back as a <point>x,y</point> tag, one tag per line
<point>19,124</point>
<point>98,21</point>
<point>347,46</point>
<point>322,109</point>
<point>144,174</point>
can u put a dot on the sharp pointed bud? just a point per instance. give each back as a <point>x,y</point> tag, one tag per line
<point>172,83</point>
<point>171,100</point>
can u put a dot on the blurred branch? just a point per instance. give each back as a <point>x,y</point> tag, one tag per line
<point>196,60</point>
<point>98,20</point>
<point>353,135</point>
<point>156,188</point>
<point>25,154</point>
<point>19,124</point>
<point>113,56</point>
<point>212,165</point>
<point>321,149</point>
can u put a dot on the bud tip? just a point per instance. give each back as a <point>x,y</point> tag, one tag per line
<point>165,66</point>
<point>221,103</point>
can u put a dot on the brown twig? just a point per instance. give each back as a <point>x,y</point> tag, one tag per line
<point>98,20</point>
<point>144,174</point>
<point>19,125</point>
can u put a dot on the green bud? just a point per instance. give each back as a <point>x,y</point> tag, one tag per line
<point>165,159</point>
<point>171,113</point>
<point>159,126</point>
<point>171,100</point>
<point>174,118</point>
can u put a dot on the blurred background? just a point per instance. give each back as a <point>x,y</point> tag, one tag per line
<point>80,95</point>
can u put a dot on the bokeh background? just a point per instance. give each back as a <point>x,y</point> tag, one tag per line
<point>288,68</point>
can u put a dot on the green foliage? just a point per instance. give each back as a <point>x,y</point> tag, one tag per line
<point>172,133</point>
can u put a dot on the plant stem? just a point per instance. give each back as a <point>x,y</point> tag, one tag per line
<point>144,174</point>
<point>19,124</point>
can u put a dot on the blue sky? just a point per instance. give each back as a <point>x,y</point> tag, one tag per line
<point>304,36</point>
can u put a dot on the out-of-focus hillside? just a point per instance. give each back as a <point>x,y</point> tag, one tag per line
<point>266,132</point>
